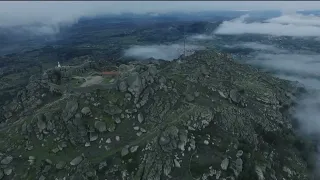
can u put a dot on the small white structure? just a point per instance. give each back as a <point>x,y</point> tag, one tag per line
<point>59,65</point>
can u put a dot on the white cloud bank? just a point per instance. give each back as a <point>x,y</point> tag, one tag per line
<point>287,25</point>
<point>164,52</point>
<point>201,37</point>
<point>257,46</point>
<point>299,64</point>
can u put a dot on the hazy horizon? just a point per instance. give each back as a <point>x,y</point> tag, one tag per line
<point>54,13</point>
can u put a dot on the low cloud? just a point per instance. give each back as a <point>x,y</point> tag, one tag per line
<point>201,37</point>
<point>300,64</point>
<point>165,52</point>
<point>287,25</point>
<point>40,30</point>
<point>307,110</point>
<point>256,46</point>
<point>308,82</point>
<point>297,19</point>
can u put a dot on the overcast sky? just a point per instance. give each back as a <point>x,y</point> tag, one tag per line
<point>17,13</point>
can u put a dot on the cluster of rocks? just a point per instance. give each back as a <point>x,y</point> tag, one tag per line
<point>195,119</point>
<point>6,166</point>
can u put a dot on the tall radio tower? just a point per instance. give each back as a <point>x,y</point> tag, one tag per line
<point>184,41</point>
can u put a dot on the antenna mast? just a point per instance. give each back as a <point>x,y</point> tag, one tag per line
<point>184,41</point>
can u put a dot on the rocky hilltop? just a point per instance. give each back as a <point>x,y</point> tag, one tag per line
<point>200,117</point>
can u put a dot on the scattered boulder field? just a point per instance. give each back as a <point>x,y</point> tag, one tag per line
<point>203,116</point>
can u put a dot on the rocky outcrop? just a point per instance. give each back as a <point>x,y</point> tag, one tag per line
<point>205,117</point>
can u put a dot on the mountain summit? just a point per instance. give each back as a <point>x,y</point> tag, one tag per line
<point>206,117</point>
